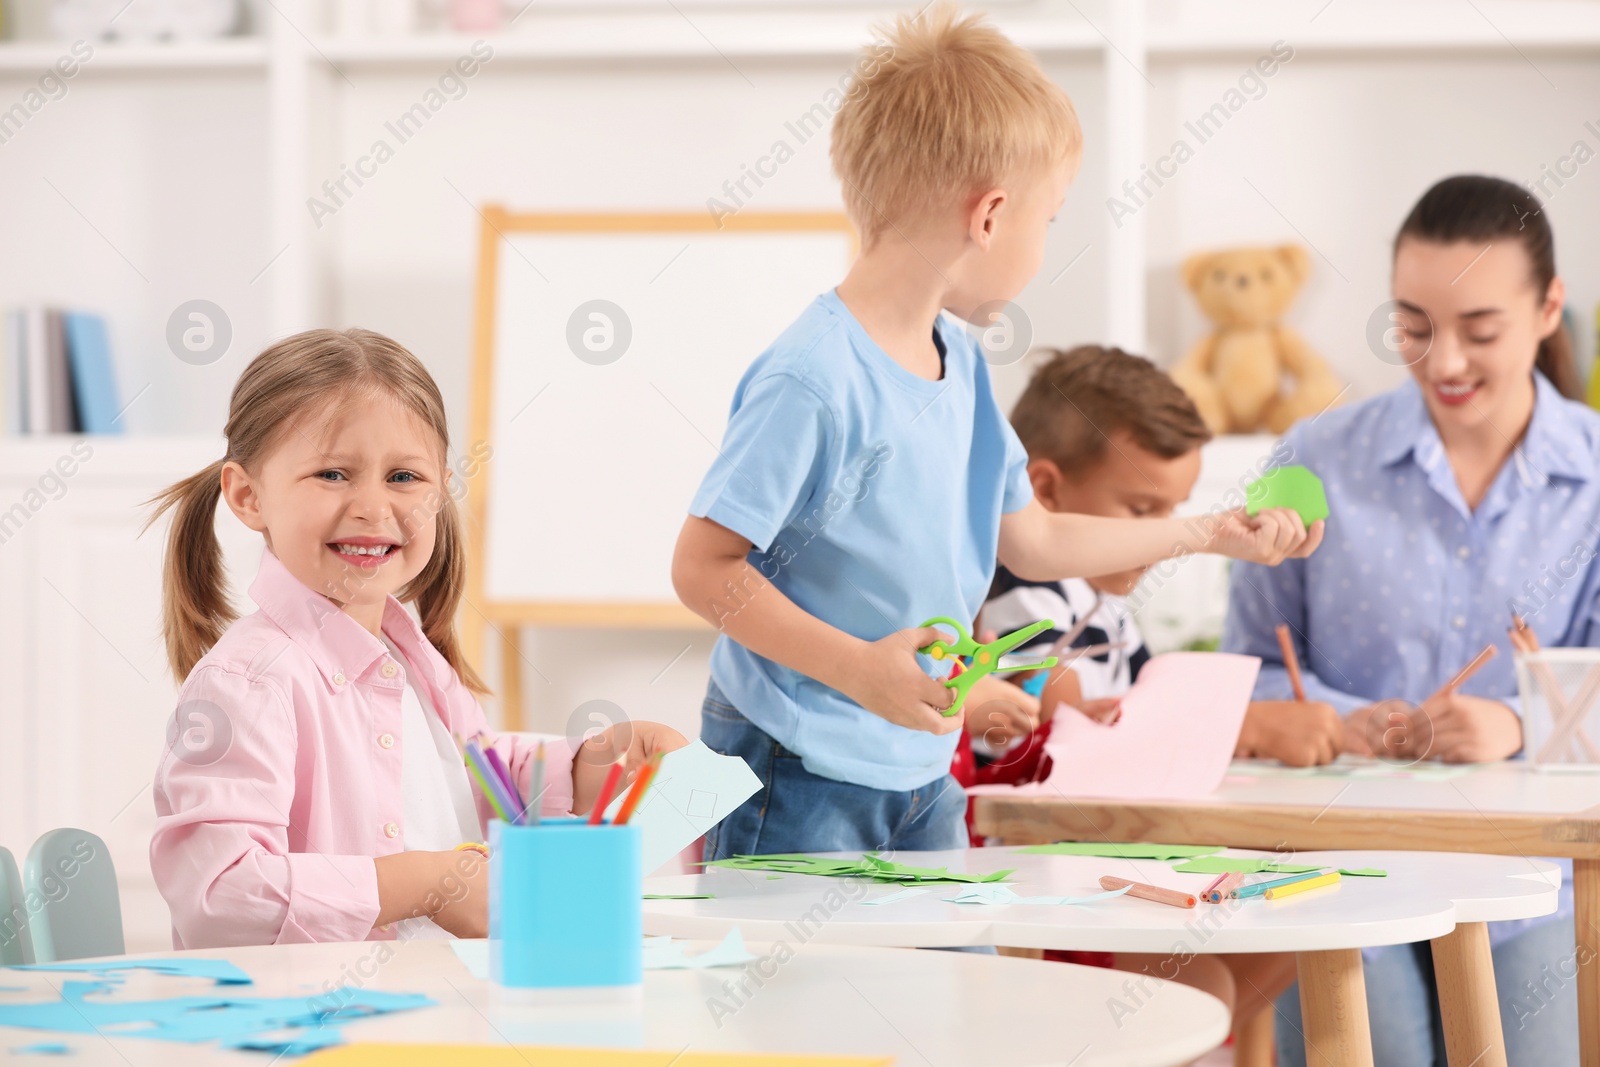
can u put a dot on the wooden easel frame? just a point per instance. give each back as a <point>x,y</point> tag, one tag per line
<point>506,618</point>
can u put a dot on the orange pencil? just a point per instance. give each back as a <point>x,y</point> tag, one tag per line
<point>608,787</point>
<point>1291,662</point>
<point>1466,672</point>
<point>640,784</point>
<point>1149,892</point>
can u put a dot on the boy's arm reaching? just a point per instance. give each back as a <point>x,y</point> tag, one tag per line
<point>882,676</point>
<point>1042,545</point>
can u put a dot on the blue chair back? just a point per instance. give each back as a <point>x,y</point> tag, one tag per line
<point>70,875</point>
<point>15,947</point>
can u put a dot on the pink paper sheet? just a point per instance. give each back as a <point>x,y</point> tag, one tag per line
<point>1179,724</point>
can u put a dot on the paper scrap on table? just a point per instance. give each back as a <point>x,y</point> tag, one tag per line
<point>362,1054</point>
<point>894,898</point>
<point>870,865</point>
<point>1288,487</point>
<point>1173,742</point>
<point>680,896</point>
<point>1365,872</point>
<point>694,789</point>
<point>660,954</point>
<point>666,954</point>
<point>1131,850</point>
<point>1347,766</point>
<point>45,1048</point>
<point>1241,865</point>
<point>221,971</point>
<point>230,1018</point>
<point>1001,894</point>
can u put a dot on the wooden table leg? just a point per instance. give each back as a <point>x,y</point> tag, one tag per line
<point>1586,896</point>
<point>1333,1008</point>
<point>1463,969</point>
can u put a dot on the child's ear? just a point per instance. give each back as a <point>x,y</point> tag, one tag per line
<point>985,214</point>
<point>1194,268</point>
<point>1295,261</point>
<point>241,496</point>
<point>1046,478</point>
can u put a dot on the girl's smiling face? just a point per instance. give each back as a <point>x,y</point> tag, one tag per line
<point>1471,320</point>
<point>347,500</point>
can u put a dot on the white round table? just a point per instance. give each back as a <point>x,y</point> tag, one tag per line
<point>938,1008</point>
<point>1440,897</point>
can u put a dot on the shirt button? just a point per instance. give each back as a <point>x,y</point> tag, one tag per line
<point>391,829</point>
<point>389,670</point>
<point>338,679</point>
<point>1459,622</point>
<point>386,740</point>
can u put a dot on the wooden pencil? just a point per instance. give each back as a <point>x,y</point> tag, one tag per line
<point>1171,897</point>
<point>1291,662</point>
<point>1466,672</point>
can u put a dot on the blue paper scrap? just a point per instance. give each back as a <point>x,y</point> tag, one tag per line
<point>223,972</point>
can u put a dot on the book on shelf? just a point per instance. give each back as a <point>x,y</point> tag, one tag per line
<point>56,374</point>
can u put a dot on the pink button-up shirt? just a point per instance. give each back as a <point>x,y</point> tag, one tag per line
<point>281,779</point>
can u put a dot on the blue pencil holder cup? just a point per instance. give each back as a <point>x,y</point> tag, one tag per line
<point>565,906</point>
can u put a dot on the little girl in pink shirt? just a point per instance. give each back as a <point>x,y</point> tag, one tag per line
<point>312,789</point>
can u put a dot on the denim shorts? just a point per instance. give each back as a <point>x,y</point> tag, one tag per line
<point>797,811</point>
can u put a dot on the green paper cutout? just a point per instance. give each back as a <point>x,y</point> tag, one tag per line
<point>1365,872</point>
<point>1240,865</point>
<point>1288,487</point>
<point>1137,850</point>
<point>870,865</point>
<point>680,896</point>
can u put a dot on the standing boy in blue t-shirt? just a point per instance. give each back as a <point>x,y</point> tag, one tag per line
<point>868,479</point>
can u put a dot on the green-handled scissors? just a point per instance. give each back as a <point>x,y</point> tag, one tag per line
<point>985,658</point>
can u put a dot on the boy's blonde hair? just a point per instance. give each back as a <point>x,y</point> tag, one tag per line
<point>301,375</point>
<point>944,108</point>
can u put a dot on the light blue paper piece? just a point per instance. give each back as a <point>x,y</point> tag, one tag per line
<point>904,894</point>
<point>1001,894</point>
<point>220,1017</point>
<point>694,789</point>
<point>665,954</point>
<point>221,971</point>
<point>293,1043</point>
<point>474,956</point>
<point>660,954</point>
<point>45,1048</point>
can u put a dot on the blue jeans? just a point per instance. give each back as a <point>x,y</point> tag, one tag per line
<point>797,811</point>
<point>1534,975</point>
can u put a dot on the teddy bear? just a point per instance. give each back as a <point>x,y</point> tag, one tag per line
<point>1250,372</point>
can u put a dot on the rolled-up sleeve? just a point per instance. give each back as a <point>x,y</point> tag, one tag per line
<point>520,752</point>
<point>221,852</point>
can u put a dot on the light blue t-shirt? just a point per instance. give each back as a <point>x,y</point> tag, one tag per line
<point>872,498</point>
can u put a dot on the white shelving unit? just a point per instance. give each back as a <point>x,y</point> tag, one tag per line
<point>1131,42</point>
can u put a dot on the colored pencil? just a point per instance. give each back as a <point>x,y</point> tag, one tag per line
<point>1331,878</point>
<point>1466,672</point>
<point>483,784</point>
<point>503,799</point>
<point>536,786</point>
<point>498,765</point>
<point>1291,662</point>
<point>608,787</point>
<point>1205,894</point>
<point>1258,888</point>
<point>640,784</point>
<point>1228,883</point>
<point>1149,892</point>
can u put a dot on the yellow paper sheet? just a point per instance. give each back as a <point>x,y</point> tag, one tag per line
<point>381,1055</point>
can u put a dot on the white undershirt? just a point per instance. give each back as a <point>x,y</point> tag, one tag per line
<point>438,809</point>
